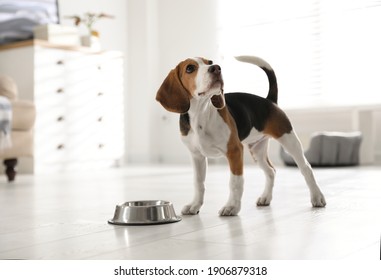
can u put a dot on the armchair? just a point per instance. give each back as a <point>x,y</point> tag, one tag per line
<point>22,123</point>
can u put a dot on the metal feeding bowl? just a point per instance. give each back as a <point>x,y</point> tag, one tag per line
<point>148,212</point>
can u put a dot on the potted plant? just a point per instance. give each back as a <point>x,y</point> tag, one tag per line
<point>88,20</point>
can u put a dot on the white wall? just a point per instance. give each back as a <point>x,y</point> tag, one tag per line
<point>142,62</point>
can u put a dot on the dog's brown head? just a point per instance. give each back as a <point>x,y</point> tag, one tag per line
<point>192,78</point>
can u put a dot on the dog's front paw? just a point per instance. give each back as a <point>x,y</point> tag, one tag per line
<point>229,210</point>
<point>318,200</point>
<point>191,209</point>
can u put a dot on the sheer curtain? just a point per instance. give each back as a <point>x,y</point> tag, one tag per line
<point>324,52</point>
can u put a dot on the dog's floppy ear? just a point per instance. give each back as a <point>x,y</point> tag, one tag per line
<point>172,95</point>
<point>218,101</point>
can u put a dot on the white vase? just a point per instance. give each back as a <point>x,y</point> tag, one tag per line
<point>92,42</point>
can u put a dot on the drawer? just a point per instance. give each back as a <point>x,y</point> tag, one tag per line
<point>83,120</point>
<point>44,73</point>
<point>113,149</point>
<point>52,56</point>
<point>50,101</point>
<point>51,148</point>
<point>81,61</point>
<point>111,77</point>
<point>49,63</point>
<point>84,75</point>
<point>82,147</point>
<point>49,94</point>
<point>50,115</point>
<point>49,56</point>
<point>74,66</point>
<point>83,95</point>
<point>49,128</point>
<point>111,88</point>
<point>55,85</point>
<point>94,150</point>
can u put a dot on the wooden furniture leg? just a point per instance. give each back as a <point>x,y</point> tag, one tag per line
<point>10,171</point>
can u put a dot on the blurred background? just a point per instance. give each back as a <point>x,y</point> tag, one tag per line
<point>326,55</point>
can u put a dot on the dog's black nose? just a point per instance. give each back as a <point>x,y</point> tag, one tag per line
<point>216,69</point>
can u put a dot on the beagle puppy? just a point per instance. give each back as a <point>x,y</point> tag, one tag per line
<point>213,124</point>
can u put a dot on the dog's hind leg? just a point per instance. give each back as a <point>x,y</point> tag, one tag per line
<point>259,152</point>
<point>199,167</point>
<point>292,145</point>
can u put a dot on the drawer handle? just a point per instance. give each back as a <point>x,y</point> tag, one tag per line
<point>60,62</point>
<point>60,90</point>
<point>60,119</point>
<point>100,119</point>
<point>60,147</point>
<point>101,146</point>
<point>100,93</point>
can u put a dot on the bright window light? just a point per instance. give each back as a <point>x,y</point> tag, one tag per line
<point>324,52</point>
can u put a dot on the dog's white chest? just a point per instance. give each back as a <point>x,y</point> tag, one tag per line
<point>209,134</point>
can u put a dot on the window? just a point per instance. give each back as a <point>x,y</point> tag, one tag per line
<point>326,51</point>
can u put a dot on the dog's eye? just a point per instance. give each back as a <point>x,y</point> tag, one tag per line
<point>210,62</point>
<point>190,68</point>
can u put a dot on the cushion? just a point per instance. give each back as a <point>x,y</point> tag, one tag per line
<point>331,149</point>
<point>23,114</point>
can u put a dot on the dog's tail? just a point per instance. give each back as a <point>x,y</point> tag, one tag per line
<point>273,85</point>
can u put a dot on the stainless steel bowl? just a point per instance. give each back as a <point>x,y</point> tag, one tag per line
<point>148,212</point>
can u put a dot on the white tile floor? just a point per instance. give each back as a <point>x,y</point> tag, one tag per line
<point>65,216</point>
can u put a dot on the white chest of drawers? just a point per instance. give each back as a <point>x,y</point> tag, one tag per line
<point>79,101</point>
